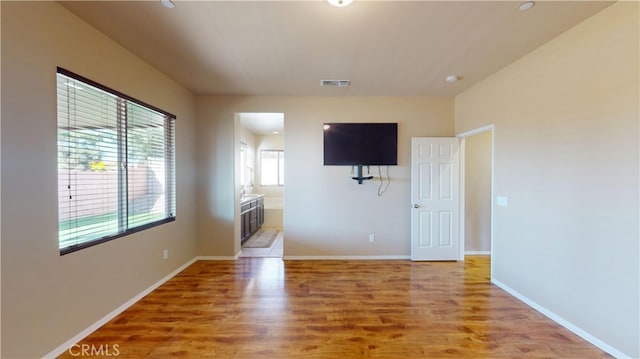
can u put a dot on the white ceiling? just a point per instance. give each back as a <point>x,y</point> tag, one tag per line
<point>386,48</point>
<point>262,123</point>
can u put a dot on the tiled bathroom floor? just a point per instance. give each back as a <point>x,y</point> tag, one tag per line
<point>276,250</point>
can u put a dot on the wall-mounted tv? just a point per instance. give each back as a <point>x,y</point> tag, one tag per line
<point>348,144</point>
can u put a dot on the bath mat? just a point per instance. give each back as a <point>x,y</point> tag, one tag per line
<point>263,238</point>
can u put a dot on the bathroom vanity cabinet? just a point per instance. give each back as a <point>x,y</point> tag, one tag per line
<point>252,216</point>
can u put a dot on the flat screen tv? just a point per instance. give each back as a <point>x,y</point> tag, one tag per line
<point>349,144</point>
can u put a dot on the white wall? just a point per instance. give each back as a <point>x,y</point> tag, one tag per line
<point>47,298</point>
<point>566,122</point>
<point>477,192</point>
<point>326,213</point>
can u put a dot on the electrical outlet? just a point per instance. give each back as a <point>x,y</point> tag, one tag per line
<point>165,254</point>
<point>372,238</point>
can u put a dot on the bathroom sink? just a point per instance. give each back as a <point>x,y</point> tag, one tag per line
<point>250,196</point>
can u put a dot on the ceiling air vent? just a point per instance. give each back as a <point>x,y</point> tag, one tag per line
<point>338,83</point>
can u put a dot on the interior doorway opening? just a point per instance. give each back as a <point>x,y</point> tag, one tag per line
<point>260,168</point>
<point>477,178</point>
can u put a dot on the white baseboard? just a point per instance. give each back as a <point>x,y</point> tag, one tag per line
<point>565,323</point>
<point>477,253</point>
<point>217,258</point>
<point>391,257</point>
<point>93,327</point>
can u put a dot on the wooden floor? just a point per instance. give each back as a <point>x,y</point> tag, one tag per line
<point>270,308</point>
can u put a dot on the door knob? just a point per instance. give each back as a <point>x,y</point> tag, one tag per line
<point>416,206</point>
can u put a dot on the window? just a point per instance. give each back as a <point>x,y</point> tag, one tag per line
<point>116,164</point>
<point>272,168</point>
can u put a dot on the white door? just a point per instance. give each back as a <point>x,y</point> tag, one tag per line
<point>435,206</point>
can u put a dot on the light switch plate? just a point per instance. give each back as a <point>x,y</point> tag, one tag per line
<point>502,201</point>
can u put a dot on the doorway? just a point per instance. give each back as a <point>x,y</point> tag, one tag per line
<point>260,168</point>
<point>452,182</point>
<point>435,194</point>
<point>477,149</point>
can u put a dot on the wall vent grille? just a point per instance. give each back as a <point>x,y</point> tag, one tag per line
<point>337,83</point>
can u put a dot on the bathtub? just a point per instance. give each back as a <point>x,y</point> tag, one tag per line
<point>273,211</point>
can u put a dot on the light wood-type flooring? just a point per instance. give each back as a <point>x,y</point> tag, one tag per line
<point>270,308</point>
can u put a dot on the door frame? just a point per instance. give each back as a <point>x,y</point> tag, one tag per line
<point>237,129</point>
<point>462,136</point>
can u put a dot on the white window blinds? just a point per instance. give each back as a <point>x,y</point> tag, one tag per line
<point>116,164</point>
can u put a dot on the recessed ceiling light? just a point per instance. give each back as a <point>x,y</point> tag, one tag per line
<point>275,132</point>
<point>451,79</point>
<point>340,3</point>
<point>168,4</point>
<point>526,5</point>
